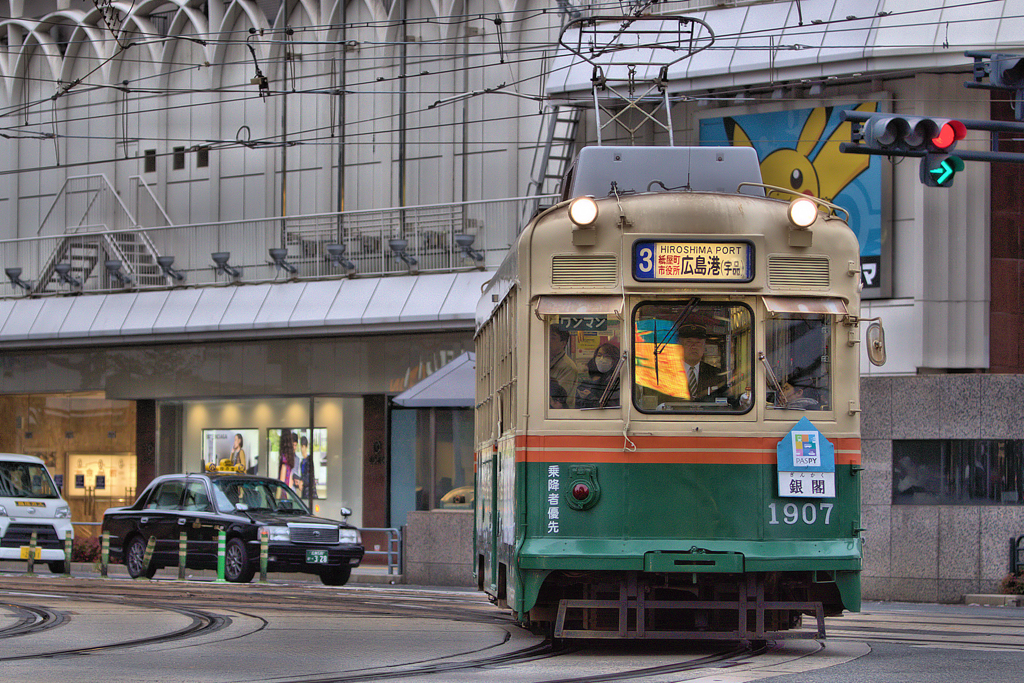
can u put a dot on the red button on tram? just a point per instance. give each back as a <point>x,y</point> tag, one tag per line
<point>580,491</point>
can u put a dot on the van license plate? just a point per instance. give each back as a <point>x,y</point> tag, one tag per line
<point>316,557</point>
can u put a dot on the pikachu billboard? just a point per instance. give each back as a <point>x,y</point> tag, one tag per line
<point>799,151</point>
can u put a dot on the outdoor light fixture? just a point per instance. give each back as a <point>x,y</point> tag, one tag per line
<point>220,258</point>
<point>336,255</point>
<point>398,247</point>
<point>279,255</point>
<point>64,273</point>
<point>165,263</point>
<point>465,243</point>
<point>14,275</point>
<point>114,270</point>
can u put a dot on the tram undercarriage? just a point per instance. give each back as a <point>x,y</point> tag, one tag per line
<point>745,607</point>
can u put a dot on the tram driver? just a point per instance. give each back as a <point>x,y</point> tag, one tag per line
<point>705,380</point>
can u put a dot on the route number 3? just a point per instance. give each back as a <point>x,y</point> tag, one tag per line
<point>808,514</point>
<point>646,264</point>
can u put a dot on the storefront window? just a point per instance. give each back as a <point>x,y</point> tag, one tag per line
<point>691,356</point>
<point>432,460</point>
<point>958,472</point>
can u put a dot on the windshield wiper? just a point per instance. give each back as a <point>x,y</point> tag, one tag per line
<point>780,395</point>
<point>668,335</point>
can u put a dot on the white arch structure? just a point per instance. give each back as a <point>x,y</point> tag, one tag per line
<point>78,99</point>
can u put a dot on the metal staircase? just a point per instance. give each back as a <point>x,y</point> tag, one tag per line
<point>98,227</point>
<point>552,155</point>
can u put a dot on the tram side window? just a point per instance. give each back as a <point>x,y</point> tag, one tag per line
<point>691,356</point>
<point>799,352</point>
<point>585,361</point>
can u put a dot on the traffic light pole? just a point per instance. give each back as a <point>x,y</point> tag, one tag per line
<point>1003,157</point>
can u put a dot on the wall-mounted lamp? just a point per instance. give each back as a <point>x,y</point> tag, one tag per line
<point>114,270</point>
<point>279,255</point>
<point>465,243</point>
<point>398,247</point>
<point>64,273</point>
<point>165,263</point>
<point>336,255</point>
<point>14,275</point>
<point>220,259</point>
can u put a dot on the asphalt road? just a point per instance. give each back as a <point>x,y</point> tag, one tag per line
<point>89,629</point>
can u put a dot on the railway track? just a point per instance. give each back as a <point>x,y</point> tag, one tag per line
<point>199,620</point>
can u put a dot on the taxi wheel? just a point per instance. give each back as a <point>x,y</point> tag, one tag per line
<point>237,567</point>
<point>134,558</point>
<point>336,577</point>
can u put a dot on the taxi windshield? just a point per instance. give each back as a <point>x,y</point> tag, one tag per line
<point>257,495</point>
<point>692,356</point>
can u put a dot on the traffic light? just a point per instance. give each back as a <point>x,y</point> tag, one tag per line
<point>938,170</point>
<point>884,132</point>
<point>1006,72</point>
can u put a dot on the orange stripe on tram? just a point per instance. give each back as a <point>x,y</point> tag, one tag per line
<point>756,450</point>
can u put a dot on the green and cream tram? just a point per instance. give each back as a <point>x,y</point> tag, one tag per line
<point>667,429</point>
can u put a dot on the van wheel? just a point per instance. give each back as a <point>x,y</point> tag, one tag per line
<point>59,567</point>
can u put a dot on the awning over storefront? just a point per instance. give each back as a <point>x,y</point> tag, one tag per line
<point>340,306</point>
<point>453,386</point>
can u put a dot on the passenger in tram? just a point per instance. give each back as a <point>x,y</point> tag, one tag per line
<point>599,378</point>
<point>706,381</point>
<point>800,397</point>
<point>564,370</point>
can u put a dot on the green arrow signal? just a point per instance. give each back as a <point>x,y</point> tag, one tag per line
<point>944,172</point>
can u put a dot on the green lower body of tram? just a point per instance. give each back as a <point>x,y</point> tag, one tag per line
<point>667,550</point>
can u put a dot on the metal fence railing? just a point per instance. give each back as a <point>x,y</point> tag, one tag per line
<point>318,246</point>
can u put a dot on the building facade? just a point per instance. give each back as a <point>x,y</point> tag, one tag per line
<point>353,134</point>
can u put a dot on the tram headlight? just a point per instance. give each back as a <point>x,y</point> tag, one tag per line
<point>803,212</point>
<point>583,211</point>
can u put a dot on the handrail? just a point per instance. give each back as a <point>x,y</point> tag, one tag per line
<point>394,544</point>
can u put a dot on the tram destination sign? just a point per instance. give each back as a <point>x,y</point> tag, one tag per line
<point>693,261</point>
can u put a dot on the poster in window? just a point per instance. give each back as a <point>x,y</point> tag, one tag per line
<point>234,445</point>
<point>289,454</point>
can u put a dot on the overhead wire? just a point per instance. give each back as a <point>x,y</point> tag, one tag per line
<point>523,53</point>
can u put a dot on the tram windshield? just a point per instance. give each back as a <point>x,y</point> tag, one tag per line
<point>798,348</point>
<point>692,356</point>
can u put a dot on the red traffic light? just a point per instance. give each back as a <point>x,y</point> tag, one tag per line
<point>949,132</point>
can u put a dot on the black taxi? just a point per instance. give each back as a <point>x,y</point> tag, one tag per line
<point>201,505</point>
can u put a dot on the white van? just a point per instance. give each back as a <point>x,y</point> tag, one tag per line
<point>29,501</point>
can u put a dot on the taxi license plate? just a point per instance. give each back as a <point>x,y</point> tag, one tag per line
<point>316,557</point>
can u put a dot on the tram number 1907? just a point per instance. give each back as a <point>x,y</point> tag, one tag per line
<point>808,513</point>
